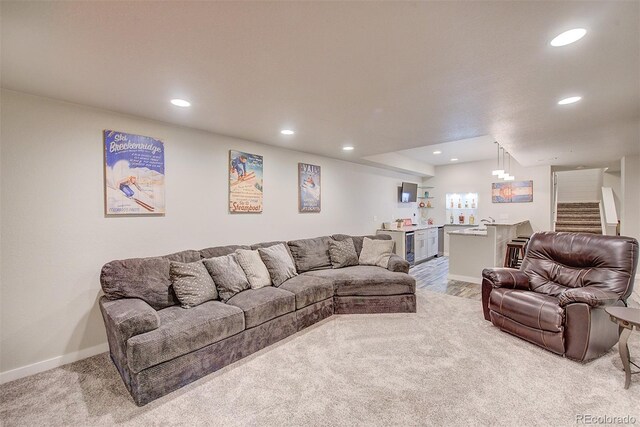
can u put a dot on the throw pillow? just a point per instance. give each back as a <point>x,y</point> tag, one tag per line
<point>227,275</point>
<point>279,263</point>
<point>343,253</point>
<point>376,252</point>
<point>253,268</point>
<point>192,283</point>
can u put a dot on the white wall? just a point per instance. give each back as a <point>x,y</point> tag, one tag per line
<point>580,185</point>
<point>475,177</point>
<point>614,181</point>
<point>55,237</point>
<point>630,188</point>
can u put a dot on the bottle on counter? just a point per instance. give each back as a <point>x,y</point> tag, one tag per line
<point>472,219</point>
<point>451,217</point>
<point>473,203</point>
<point>461,218</point>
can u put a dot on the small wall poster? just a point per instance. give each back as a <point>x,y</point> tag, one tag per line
<point>134,174</point>
<point>245,182</point>
<point>308,188</point>
<point>512,192</point>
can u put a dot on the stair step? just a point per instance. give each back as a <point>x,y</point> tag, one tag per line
<point>583,204</point>
<point>579,210</point>
<point>594,230</point>
<point>578,224</point>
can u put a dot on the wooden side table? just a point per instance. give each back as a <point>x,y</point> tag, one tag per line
<point>628,319</point>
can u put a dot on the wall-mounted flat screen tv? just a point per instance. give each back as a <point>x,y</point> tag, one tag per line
<point>408,192</point>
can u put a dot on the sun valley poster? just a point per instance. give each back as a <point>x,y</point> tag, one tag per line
<point>308,188</point>
<point>245,182</point>
<point>134,174</point>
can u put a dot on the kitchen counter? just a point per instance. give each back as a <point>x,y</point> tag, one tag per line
<point>411,228</point>
<point>473,249</point>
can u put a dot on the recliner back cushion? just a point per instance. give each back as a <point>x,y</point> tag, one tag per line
<point>311,254</point>
<point>144,278</point>
<point>557,261</point>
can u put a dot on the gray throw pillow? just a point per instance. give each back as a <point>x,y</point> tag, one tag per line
<point>279,263</point>
<point>192,283</point>
<point>253,268</point>
<point>376,252</point>
<point>343,253</point>
<point>227,275</point>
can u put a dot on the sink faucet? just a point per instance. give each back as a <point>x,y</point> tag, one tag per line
<point>487,220</point>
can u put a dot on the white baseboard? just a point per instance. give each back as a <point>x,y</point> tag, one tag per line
<point>465,278</point>
<point>55,362</point>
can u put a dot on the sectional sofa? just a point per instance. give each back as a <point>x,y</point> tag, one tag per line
<point>158,346</point>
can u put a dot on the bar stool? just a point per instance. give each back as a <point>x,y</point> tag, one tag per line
<point>515,253</point>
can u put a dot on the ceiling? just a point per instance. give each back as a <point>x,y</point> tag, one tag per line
<point>464,150</point>
<point>383,76</point>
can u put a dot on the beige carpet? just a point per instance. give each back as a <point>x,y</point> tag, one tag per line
<point>444,365</point>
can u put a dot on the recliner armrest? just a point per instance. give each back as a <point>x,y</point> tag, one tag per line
<point>591,296</point>
<point>506,278</point>
<point>130,317</point>
<point>397,264</point>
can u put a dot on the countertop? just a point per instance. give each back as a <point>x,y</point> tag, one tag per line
<point>411,228</point>
<point>507,223</point>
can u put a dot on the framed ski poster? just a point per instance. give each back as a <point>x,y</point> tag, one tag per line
<point>133,174</point>
<point>245,182</point>
<point>308,188</point>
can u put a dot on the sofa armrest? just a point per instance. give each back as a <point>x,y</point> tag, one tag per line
<point>397,264</point>
<point>591,296</point>
<point>506,278</point>
<point>129,317</point>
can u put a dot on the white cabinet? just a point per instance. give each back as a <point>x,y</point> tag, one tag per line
<point>421,240</point>
<point>432,242</point>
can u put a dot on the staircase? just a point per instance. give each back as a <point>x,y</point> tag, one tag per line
<point>582,217</point>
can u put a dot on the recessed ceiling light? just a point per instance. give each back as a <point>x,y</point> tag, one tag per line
<point>569,100</point>
<point>568,37</point>
<point>454,159</point>
<point>437,152</point>
<point>348,148</point>
<point>287,132</point>
<point>180,102</point>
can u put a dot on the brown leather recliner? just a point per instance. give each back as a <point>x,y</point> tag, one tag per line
<point>557,298</point>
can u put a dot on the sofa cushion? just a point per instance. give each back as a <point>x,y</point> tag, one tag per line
<point>376,252</point>
<point>311,254</point>
<point>192,283</point>
<point>342,253</point>
<point>364,280</point>
<point>182,331</point>
<point>264,304</point>
<point>308,289</point>
<point>221,250</point>
<point>528,308</point>
<point>257,246</point>
<point>144,278</point>
<point>253,267</point>
<point>279,263</point>
<point>357,240</point>
<point>227,275</point>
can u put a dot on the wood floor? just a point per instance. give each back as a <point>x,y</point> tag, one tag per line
<point>432,275</point>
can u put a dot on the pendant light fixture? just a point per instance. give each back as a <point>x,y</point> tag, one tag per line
<point>497,171</point>
<point>507,176</point>
<point>502,173</point>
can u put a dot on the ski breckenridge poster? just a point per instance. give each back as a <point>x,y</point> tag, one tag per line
<point>308,188</point>
<point>134,174</point>
<point>245,182</point>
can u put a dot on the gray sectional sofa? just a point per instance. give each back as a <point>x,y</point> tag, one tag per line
<point>158,346</point>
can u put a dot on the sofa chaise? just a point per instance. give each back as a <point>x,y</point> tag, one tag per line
<point>158,346</point>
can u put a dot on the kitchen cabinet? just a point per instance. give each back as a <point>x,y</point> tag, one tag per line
<point>422,251</point>
<point>432,242</point>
